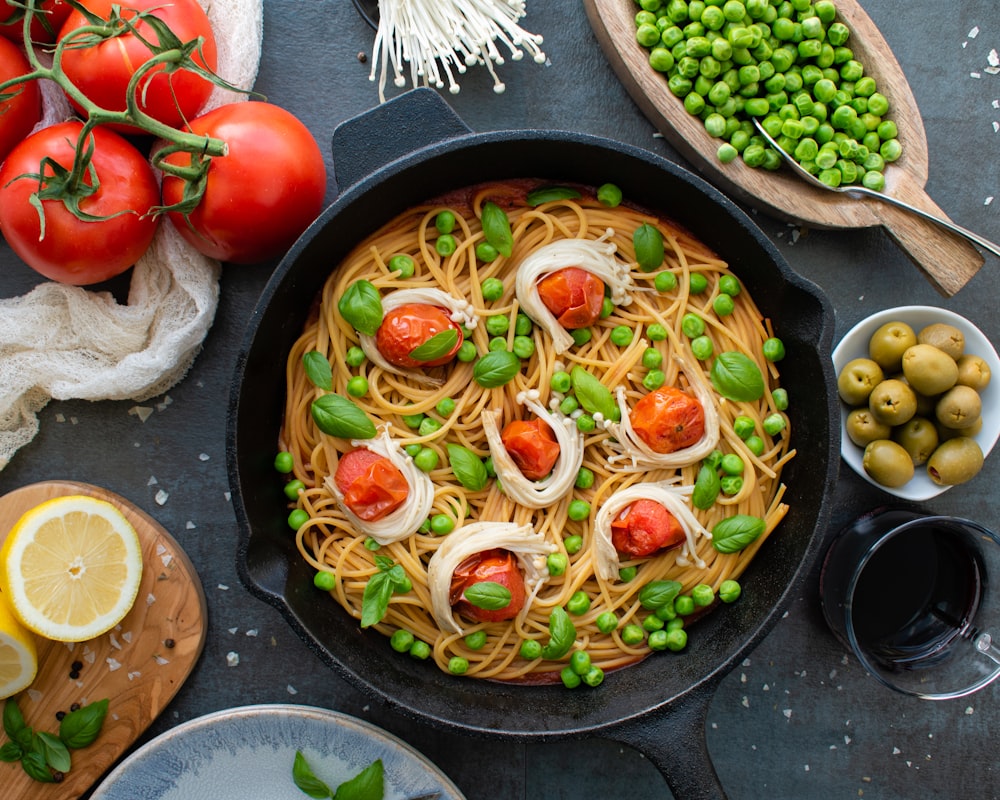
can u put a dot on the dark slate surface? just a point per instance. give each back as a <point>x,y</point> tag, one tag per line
<point>798,718</point>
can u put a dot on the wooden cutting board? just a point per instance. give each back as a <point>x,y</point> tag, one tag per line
<point>139,666</point>
<point>947,260</point>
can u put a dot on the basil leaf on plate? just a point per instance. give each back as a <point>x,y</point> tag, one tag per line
<point>375,599</point>
<point>496,368</point>
<point>496,228</point>
<point>439,345</point>
<point>546,194</point>
<point>562,634</point>
<point>338,416</point>
<point>361,306</point>
<point>81,727</point>
<point>469,469</point>
<point>706,487</point>
<point>369,784</point>
<point>594,396</point>
<point>488,595</point>
<point>657,594</point>
<point>648,243</point>
<point>306,780</point>
<point>732,534</point>
<point>318,370</point>
<point>737,377</point>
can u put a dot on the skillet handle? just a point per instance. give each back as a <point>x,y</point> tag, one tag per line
<point>399,127</point>
<point>674,741</point>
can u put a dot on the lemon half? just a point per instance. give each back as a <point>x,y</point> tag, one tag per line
<point>18,656</point>
<point>71,568</point>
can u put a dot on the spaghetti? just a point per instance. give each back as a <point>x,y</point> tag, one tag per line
<point>397,402</point>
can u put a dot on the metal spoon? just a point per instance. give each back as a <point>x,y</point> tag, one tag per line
<point>858,191</point>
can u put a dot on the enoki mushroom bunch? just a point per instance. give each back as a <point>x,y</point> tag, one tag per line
<point>439,39</point>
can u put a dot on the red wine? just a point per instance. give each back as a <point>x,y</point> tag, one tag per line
<point>916,596</point>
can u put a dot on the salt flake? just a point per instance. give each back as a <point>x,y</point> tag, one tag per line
<point>161,660</point>
<point>142,412</point>
<point>189,525</point>
<point>787,712</point>
<point>896,751</point>
<point>291,689</point>
<point>233,630</point>
<point>113,664</point>
<point>974,32</point>
<point>252,632</point>
<point>232,658</point>
<point>203,456</point>
<point>969,711</point>
<point>161,497</point>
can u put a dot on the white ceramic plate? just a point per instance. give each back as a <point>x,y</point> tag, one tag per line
<point>248,752</point>
<point>855,345</point>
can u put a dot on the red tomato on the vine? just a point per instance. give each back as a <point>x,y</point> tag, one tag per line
<point>668,419</point>
<point>260,196</point>
<point>495,566</point>
<point>103,71</point>
<point>20,113</point>
<point>410,325</point>
<point>45,25</point>
<point>120,189</point>
<point>644,528</point>
<point>532,446</point>
<point>372,486</point>
<point>573,295</point>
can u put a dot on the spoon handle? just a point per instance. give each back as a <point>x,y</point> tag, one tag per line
<point>970,235</point>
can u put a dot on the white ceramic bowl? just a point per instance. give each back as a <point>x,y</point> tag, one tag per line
<point>855,345</point>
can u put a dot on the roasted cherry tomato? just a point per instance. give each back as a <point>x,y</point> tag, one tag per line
<point>48,19</point>
<point>408,326</point>
<point>497,566</point>
<point>262,194</point>
<point>373,487</point>
<point>645,527</point>
<point>72,250</point>
<point>668,419</point>
<point>20,113</point>
<point>102,71</point>
<point>573,295</point>
<point>532,446</point>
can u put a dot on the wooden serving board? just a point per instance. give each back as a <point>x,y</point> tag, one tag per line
<point>947,260</point>
<point>134,665</point>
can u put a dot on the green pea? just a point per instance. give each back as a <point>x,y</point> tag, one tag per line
<point>492,289</point>
<point>458,665</point>
<point>609,195</point>
<point>773,349</point>
<point>355,356</point>
<point>556,563</point>
<point>633,634</point>
<point>445,244</point>
<point>428,426</point>
<point>497,325</point>
<point>621,335</point>
<point>731,464</point>
<point>324,580</point>
<point>568,405</point>
<point>531,649</point>
<point>666,612</point>
<point>401,641</point>
<point>584,478</point>
<point>445,407</point>
<point>702,348</point>
<point>402,264</point>
<point>523,326</point>
<point>497,343</point>
<point>684,604</point>
<point>607,622</point>
<point>420,650</point>
<point>585,423</point>
<point>729,284</point>
<point>677,639</point>
<point>692,325</point>
<point>665,281</point>
<point>627,574</point>
<point>442,524</point>
<point>703,595</point>
<point>578,603</point>
<point>294,487</point>
<point>697,283</point>
<point>297,518</point>
<point>579,662</point>
<point>755,445</point>
<point>729,590</point>
<point>371,544</point>
<point>652,623</point>
<point>444,222</point>
<point>486,252</point>
<point>491,469</point>
<point>593,676</point>
<point>780,398</point>
<point>523,347</point>
<point>654,379</point>
<point>773,424</point>
<point>656,332</point>
<point>723,305</point>
<point>731,484</point>
<point>581,335</point>
<point>467,352</point>
<point>560,382</point>
<point>284,462</point>
<point>578,510</point>
<point>743,426</point>
<point>569,678</point>
<point>607,308</point>
<point>426,460</point>
<point>357,386</point>
<point>658,640</point>
<point>652,358</point>
<point>413,421</point>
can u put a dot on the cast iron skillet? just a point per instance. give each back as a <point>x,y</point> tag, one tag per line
<point>407,151</point>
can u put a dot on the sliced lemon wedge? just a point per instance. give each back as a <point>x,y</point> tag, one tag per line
<point>18,657</point>
<point>71,567</point>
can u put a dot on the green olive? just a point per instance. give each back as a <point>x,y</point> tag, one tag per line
<point>862,427</point>
<point>944,337</point>
<point>857,379</point>
<point>892,402</point>
<point>973,371</point>
<point>918,437</point>
<point>929,370</point>
<point>887,463</point>
<point>955,461</point>
<point>944,434</point>
<point>887,345</point>
<point>959,407</point>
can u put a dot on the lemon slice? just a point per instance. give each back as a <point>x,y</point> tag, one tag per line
<point>71,567</point>
<point>18,657</point>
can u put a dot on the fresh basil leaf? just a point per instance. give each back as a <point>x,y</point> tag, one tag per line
<point>13,719</point>
<point>384,563</point>
<point>706,487</point>
<point>496,228</point>
<point>369,784</point>
<point>339,416</point>
<point>737,377</point>
<point>38,770</point>
<point>496,368</point>
<point>438,346</point>
<point>318,370</point>
<point>10,752</point>
<point>55,752</point>
<point>562,634</point>
<point>306,780</point>
<point>648,243</point>
<point>469,469</point>
<point>734,533</point>
<point>375,600</point>
<point>488,595</point>
<point>657,594</point>
<point>361,306</point>
<point>546,194</point>
<point>81,727</point>
<point>593,395</point>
